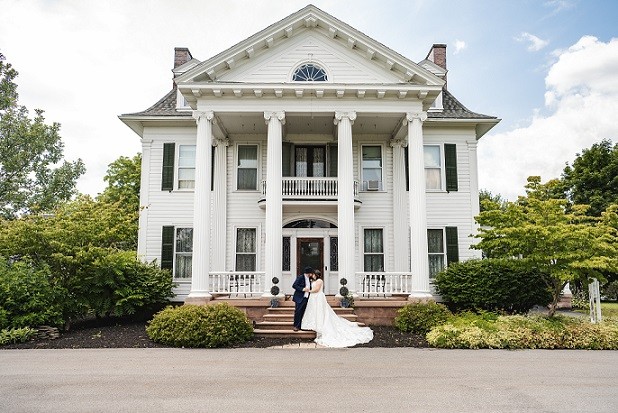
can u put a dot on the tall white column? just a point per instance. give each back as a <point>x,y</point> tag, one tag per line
<point>219,205</point>
<point>419,260</point>
<point>400,212</point>
<point>345,197</point>
<point>144,201</point>
<point>201,209</point>
<point>274,207</point>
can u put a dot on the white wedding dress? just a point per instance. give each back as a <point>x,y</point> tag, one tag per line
<point>332,330</point>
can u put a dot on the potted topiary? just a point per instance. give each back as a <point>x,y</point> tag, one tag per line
<point>347,300</point>
<point>274,291</point>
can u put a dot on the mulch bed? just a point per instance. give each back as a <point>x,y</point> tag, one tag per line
<point>129,332</point>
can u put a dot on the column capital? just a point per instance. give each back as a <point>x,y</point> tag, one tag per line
<point>200,115</point>
<point>411,116</point>
<point>280,115</point>
<point>224,142</point>
<point>349,115</point>
<point>400,143</point>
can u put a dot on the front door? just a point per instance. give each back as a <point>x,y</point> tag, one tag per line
<point>310,252</point>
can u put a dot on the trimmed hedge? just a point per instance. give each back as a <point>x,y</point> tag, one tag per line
<point>474,331</point>
<point>493,285</point>
<point>219,325</point>
<point>419,318</point>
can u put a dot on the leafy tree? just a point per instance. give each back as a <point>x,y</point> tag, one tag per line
<point>123,182</point>
<point>89,247</point>
<point>488,201</point>
<point>566,245</point>
<point>33,175</point>
<point>593,177</point>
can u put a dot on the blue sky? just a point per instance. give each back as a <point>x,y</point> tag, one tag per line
<point>547,68</point>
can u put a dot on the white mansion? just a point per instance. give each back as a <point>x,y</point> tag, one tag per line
<point>308,143</point>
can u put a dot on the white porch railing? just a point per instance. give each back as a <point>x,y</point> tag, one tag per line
<point>237,283</point>
<point>310,188</point>
<point>383,284</point>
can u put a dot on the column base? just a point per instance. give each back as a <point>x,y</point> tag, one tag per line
<point>421,296</point>
<point>198,298</point>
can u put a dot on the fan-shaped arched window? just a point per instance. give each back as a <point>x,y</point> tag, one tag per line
<point>309,72</point>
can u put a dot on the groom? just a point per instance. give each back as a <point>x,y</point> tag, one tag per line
<point>301,294</point>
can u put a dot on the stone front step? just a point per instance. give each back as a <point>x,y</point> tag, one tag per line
<point>281,325</point>
<point>290,317</point>
<point>284,333</point>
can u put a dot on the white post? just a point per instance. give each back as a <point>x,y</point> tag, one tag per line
<point>594,294</point>
<point>400,223</point>
<point>419,260</point>
<point>274,208</point>
<point>345,198</point>
<point>219,205</point>
<point>201,210</point>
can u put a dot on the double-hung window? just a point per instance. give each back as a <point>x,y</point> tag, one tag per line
<point>373,250</point>
<point>177,251</point>
<point>443,248</point>
<point>433,167</point>
<point>246,249</point>
<point>372,168</point>
<point>186,166</point>
<point>247,166</point>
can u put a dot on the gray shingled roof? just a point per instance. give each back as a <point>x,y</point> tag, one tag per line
<point>453,109</point>
<point>166,106</point>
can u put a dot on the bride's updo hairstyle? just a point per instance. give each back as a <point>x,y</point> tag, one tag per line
<point>318,274</point>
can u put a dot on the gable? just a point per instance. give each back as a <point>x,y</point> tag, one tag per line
<point>341,64</point>
<point>378,61</point>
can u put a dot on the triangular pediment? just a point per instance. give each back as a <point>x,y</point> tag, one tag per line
<point>310,34</point>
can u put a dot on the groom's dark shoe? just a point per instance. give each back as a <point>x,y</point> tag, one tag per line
<point>296,328</point>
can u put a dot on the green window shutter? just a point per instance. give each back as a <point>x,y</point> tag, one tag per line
<point>332,160</point>
<point>167,248</point>
<point>452,245</point>
<point>450,160</point>
<point>167,173</point>
<point>286,159</point>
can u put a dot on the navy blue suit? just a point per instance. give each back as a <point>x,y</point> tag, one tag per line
<point>299,299</point>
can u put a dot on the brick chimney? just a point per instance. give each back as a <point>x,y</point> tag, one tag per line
<point>437,54</point>
<point>181,56</point>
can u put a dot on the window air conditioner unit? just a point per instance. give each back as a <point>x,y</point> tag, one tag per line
<point>373,185</point>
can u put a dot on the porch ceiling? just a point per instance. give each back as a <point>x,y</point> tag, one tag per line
<point>307,123</point>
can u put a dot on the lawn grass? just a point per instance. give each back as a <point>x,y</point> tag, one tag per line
<point>609,309</point>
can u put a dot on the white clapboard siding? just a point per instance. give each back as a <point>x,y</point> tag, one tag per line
<point>341,64</point>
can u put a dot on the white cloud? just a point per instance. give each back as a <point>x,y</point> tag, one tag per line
<point>536,43</point>
<point>559,5</point>
<point>582,101</point>
<point>459,46</point>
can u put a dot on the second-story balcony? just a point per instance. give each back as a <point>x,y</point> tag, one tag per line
<point>309,190</point>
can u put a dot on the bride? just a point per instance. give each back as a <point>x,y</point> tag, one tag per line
<point>331,330</point>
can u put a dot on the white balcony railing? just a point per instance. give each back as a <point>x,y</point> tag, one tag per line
<point>309,188</point>
<point>237,283</point>
<point>383,284</point>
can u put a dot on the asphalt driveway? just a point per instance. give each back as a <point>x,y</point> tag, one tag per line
<point>318,380</point>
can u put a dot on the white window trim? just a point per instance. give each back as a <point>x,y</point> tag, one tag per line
<point>177,169</point>
<point>437,105</point>
<point>258,179</point>
<point>362,246</point>
<point>258,241</point>
<point>313,61</point>
<point>181,102</point>
<point>443,253</point>
<point>361,169</point>
<point>442,168</point>
<point>175,279</point>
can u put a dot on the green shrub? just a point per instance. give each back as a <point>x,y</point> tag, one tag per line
<point>610,291</point>
<point>419,318</point>
<point>16,335</point>
<point>522,332</point>
<point>28,296</point>
<point>492,285</point>
<point>219,325</point>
